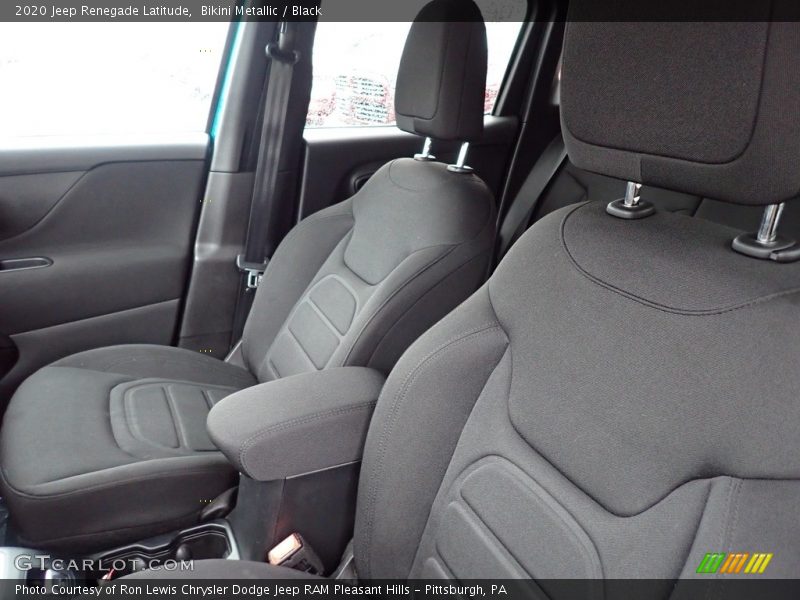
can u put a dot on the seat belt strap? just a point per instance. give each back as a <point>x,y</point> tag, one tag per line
<point>273,135</point>
<point>521,210</point>
<point>260,242</point>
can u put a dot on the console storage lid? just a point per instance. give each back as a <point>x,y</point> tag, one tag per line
<point>297,424</point>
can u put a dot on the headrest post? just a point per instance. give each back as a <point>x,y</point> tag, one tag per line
<point>768,231</point>
<point>632,194</point>
<point>461,161</point>
<point>766,244</point>
<point>425,155</point>
<point>631,206</point>
<point>462,155</point>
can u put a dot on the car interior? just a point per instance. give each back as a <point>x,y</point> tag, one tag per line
<point>551,342</point>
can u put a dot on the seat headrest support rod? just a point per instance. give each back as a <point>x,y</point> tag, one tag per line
<point>767,244</point>
<point>633,194</point>
<point>768,231</point>
<point>461,161</point>
<point>631,206</point>
<point>425,155</point>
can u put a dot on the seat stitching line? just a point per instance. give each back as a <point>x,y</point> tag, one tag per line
<point>697,527</point>
<point>506,352</point>
<point>419,299</point>
<point>724,532</point>
<point>299,345</point>
<point>328,323</point>
<point>176,424</point>
<point>394,293</point>
<point>656,305</point>
<point>207,398</point>
<point>300,227</point>
<point>273,368</point>
<point>315,280</point>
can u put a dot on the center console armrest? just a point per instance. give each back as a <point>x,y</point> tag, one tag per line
<point>298,424</point>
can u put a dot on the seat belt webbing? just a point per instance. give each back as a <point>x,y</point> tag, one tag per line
<point>522,209</point>
<point>260,242</point>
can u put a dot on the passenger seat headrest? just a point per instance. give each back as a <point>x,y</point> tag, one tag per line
<point>711,109</point>
<point>441,82</point>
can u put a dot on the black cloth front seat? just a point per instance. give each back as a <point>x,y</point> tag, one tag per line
<point>110,445</point>
<point>621,397</point>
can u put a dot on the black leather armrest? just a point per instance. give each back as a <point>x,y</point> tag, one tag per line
<point>298,424</point>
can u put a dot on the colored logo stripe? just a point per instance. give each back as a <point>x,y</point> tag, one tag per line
<point>711,562</point>
<point>758,563</point>
<point>733,563</point>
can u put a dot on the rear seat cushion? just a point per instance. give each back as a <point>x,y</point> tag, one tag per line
<point>123,426</point>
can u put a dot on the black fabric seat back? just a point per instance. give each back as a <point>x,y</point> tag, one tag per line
<point>357,283</point>
<point>620,398</point>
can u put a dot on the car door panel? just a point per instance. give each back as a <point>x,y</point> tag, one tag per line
<point>26,199</point>
<point>113,226</point>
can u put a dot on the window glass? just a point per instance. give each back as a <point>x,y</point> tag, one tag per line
<point>107,78</point>
<point>355,66</point>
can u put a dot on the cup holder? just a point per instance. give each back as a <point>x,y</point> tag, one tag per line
<point>170,552</point>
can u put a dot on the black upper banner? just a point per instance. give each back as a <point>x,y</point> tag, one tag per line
<point>388,10</point>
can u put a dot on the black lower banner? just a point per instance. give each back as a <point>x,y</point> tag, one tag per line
<point>321,589</point>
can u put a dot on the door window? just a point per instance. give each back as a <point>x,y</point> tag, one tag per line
<point>108,78</point>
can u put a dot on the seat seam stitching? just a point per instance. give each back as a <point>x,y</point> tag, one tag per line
<point>506,352</point>
<point>176,424</point>
<point>300,227</point>
<point>293,336</point>
<point>315,280</point>
<point>697,527</point>
<point>325,319</point>
<point>437,283</point>
<point>649,303</point>
<point>399,289</point>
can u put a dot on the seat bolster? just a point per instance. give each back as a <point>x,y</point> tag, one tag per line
<point>423,407</point>
<point>292,268</point>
